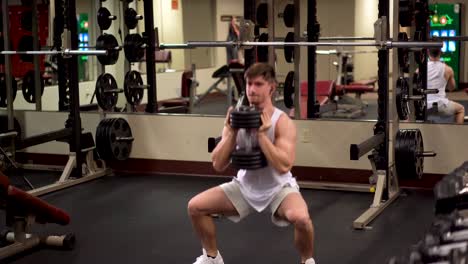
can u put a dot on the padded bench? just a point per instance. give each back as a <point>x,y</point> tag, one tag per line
<point>29,204</point>
<point>323,92</point>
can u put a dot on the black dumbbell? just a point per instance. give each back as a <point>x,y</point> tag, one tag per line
<point>249,156</point>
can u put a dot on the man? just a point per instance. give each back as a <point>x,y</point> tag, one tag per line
<point>440,76</point>
<point>272,186</point>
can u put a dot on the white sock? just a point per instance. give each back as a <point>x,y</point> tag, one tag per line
<point>310,261</point>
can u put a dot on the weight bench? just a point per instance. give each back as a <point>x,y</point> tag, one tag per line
<point>23,210</point>
<point>324,91</point>
<point>358,88</point>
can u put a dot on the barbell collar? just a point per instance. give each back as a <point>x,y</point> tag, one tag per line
<point>427,154</point>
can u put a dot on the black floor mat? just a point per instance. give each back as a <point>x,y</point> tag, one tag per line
<point>143,219</point>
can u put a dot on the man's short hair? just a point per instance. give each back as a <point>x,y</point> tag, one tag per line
<point>435,52</point>
<point>261,69</point>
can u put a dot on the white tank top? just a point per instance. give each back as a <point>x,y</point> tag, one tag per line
<point>436,80</point>
<point>260,186</point>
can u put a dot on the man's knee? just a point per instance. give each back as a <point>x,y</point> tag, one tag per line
<point>195,207</point>
<point>299,218</point>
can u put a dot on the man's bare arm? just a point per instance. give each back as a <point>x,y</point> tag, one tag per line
<point>450,77</point>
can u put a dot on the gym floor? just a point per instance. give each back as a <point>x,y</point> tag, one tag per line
<point>143,219</point>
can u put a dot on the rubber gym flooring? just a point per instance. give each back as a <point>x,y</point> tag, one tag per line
<point>143,219</point>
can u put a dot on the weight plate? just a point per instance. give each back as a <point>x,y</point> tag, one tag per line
<point>133,47</point>
<point>289,15</point>
<point>109,43</point>
<point>420,55</point>
<point>103,19</point>
<point>289,50</point>
<point>132,87</point>
<point>28,87</point>
<point>402,90</point>
<point>262,15</point>
<point>3,89</point>
<point>262,51</point>
<point>130,18</point>
<point>106,100</point>
<point>403,53</point>
<point>288,96</point>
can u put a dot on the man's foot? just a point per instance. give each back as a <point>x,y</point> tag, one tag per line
<point>310,261</point>
<point>205,259</point>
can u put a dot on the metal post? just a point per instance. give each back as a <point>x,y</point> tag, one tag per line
<point>271,31</point>
<point>36,59</point>
<point>249,14</point>
<point>150,34</point>
<point>313,29</point>
<point>382,125</point>
<point>8,75</point>
<point>74,116</point>
<point>297,61</point>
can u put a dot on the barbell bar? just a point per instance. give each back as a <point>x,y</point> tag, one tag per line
<point>66,52</point>
<point>388,44</point>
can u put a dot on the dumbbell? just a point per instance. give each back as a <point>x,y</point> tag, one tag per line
<point>248,155</point>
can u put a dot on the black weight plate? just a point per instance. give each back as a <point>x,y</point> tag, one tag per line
<point>289,15</point>
<point>106,82</point>
<point>3,90</point>
<point>109,43</point>
<point>403,53</point>
<point>247,158</point>
<point>130,18</point>
<point>100,141</point>
<point>262,51</point>
<point>134,95</point>
<point>262,15</point>
<point>245,153</point>
<point>26,44</point>
<point>419,55</point>
<point>409,154</point>
<point>26,20</point>
<point>103,19</point>
<point>288,96</point>
<point>402,106</point>
<point>133,47</point>
<point>121,149</point>
<point>106,153</point>
<point>29,87</point>
<point>108,146</point>
<point>399,159</point>
<point>405,159</point>
<point>419,160</point>
<point>412,154</point>
<point>405,14</point>
<point>289,50</point>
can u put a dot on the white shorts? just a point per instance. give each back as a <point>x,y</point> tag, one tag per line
<point>446,109</point>
<point>234,194</point>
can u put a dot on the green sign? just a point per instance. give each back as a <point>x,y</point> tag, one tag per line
<point>83,44</point>
<point>445,22</point>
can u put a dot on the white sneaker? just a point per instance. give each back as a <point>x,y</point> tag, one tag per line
<point>310,261</point>
<point>204,259</point>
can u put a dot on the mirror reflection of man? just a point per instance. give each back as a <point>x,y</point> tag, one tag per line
<point>440,76</point>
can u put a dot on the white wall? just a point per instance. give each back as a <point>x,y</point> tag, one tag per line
<point>365,13</point>
<point>320,143</point>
